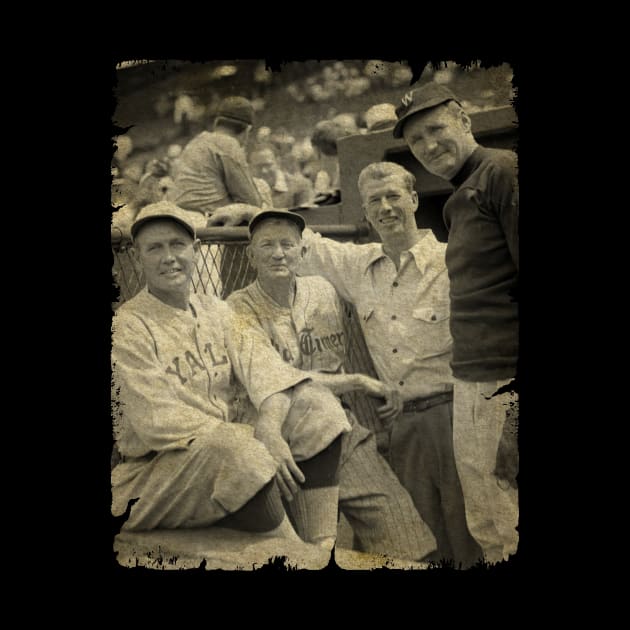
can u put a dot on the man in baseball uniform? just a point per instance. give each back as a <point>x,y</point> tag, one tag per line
<point>175,358</point>
<point>302,316</point>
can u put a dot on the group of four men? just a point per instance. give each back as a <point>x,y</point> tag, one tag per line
<point>229,413</point>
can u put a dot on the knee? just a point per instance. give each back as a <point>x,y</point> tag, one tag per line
<point>232,445</point>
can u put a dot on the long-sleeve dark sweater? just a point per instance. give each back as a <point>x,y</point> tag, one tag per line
<point>482,260</point>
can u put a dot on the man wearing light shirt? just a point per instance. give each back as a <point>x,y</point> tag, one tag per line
<point>400,290</point>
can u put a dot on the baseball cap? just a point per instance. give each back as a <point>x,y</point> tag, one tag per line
<point>425,97</point>
<point>380,116</point>
<point>162,210</point>
<point>237,108</point>
<point>278,214</point>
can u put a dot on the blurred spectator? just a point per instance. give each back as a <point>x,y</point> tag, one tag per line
<point>123,187</point>
<point>324,141</point>
<point>283,143</point>
<point>265,192</point>
<point>263,134</point>
<point>401,76</point>
<point>124,147</point>
<point>212,170</point>
<point>287,190</point>
<point>172,154</point>
<point>154,184</point>
<point>163,105</point>
<point>381,116</point>
<point>348,122</point>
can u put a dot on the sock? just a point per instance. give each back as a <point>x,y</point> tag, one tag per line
<point>315,513</point>
<point>322,469</point>
<point>315,508</point>
<point>262,513</point>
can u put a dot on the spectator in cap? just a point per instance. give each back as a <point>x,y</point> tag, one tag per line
<point>482,257</point>
<point>212,170</point>
<point>287,190</point>
<point>381,116</point>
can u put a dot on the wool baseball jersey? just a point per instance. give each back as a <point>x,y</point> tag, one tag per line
<point>310,334</point>
<point>175,370</point>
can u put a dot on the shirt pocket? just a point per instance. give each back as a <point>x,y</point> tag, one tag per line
<point>432,314</point>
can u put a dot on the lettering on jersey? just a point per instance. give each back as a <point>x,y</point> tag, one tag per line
<point>215,361</point>
<point>285,353</point>
<point>176,371</point>
<point>193,363</point>
<point>310,344</point>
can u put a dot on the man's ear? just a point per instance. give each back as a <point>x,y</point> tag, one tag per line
<point>365,216</point>
<point>466,122</point>
<point>250,255</point>
<point>415,199</point>
<point>134,253</point>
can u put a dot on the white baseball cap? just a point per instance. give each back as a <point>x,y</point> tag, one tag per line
<point>162,210</point>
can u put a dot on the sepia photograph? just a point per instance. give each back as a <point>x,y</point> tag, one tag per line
<point>315,315</point>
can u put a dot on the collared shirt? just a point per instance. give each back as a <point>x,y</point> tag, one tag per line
<point>404,313</point>
<point>175,370</point>
<point>211,172</point>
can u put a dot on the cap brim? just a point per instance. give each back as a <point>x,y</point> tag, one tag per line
<point>398,127</point>
<point>279,214</point>
<point>138,224</point>
<point>429,104</point>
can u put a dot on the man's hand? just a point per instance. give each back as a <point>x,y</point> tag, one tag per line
<point>233,215</point>
<point>288,475</point>
<point>393,400</point>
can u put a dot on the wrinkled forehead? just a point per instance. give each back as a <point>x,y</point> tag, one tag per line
<point>276,228</point>
<point>426,117</point>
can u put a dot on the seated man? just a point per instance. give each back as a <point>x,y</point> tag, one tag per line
<point>303,319</point>
<point>287,190</point>
<point>175,356</point>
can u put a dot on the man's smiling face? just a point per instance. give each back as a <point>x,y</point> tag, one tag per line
<point>389,205</point>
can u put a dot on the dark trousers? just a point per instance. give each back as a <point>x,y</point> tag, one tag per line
<point>421,454</point>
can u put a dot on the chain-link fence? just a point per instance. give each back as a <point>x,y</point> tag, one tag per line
<point>223,267</point>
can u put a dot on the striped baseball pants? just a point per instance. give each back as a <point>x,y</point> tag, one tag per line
<point>379,510</point>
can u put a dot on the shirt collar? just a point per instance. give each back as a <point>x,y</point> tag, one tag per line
<point>280,185</point>
<point>421,252</point>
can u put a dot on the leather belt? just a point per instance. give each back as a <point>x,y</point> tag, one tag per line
<point>421,404</point>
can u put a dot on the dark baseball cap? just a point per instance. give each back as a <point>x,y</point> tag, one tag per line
<point>237,108</point>
<point>162,210</point>
<point>424,97</point>
<point>276,214</point>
